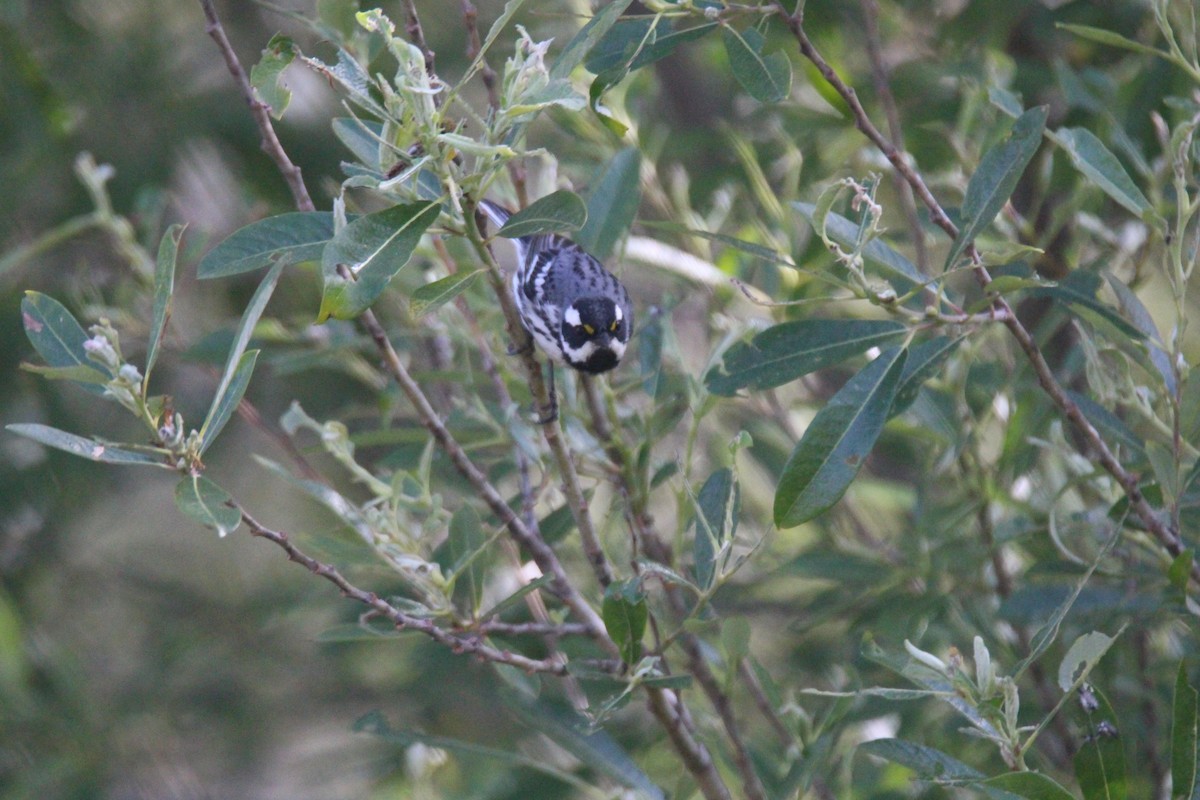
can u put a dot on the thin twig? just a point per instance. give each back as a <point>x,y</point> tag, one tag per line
<point>883,88</point>
<point>1162,530</point>
<point>259,110</point>
<point>417,34</point>
<point>470,645</point>
<point>541,552</point>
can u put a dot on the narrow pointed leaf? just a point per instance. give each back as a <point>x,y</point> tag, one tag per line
<point>789,350</point>
<point>1031,785</point>
<point>287,239</point>
<point>876,253</point>
<point>91,449</point>
<point>1141,318</point>
<point>56,336</point>
<point>1084,653</point>
<point>353,79</point>
<point>587,37</point>
<point>202,501</point>
<point>79,373</point>
<point>927,762</point>
<point>838,440</point>
<point>360,137</point>
<point>1183,736</point>
<point>716,522</point>
<point>557,211</point>
<point>1111,39</point>
<point>1099,165</point>
<point>434,295</point>
<point>624,613</point>
<point>227,401</point>
<point>922,364</point>
<point>373,248</point>
<point>996,178</point>
<point>613,204</point>
<point>235,367</point>
<point>164,290</point>
<point>768,79</point>
<point>634,43</point>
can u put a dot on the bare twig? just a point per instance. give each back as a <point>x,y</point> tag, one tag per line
<point>474,46</point>
<point>259,110</point>
<point>468,644</point>
<point>1161,529</point>
<point>417,35</point>
<point>883,88</point>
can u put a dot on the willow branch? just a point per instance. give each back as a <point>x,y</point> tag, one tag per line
<point>467,645</point>
<point>417,35</point>
<point>258,110</point>
<point>1163,531</point>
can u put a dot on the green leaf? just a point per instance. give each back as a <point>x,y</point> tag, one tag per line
<point>1079,296</point>
<point>1141,318</point>
<point>225,403</point>
<point>236,368</point>
<point>633,43</point>
<point>768,79</point>
<point>1101,167</point>
<point>1100,761</point>
<point>1109,38</point>
<point>929,764</point>
<point>285,239</point>
<point>1108,424</point>
<point>56,336</point>
<point>1033,785</point>
<point>516,597</point>
<point>557,211</point>
<point>466,543</point>
<point>164,291</point>
<point>832,451</point>
<point>267,75</point>
<point>1183,736</point>
<point>923,362</point>
<point>201,500</point>
<point>587,37</point>
<point>352,78</point>
<point>1084,653</point>
<point>613,204</point>
<point>718,504</point>
<point>361,137</point>
<point>876,253</point>
<point>624,613</point>
<point>789,350</point>
<point>91,449</point>
<point>434,295</point>
<point>79,373</point>
<point>373,248</point>
<point>996,178</point>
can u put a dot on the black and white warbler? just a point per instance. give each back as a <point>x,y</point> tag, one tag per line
<point>577,311</point>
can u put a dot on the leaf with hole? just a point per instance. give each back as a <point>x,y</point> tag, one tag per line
<point>838,440</point>
<point>267,75</point>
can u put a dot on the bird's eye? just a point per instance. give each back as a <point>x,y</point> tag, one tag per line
<point>613,327</point>
<point>590,330</point>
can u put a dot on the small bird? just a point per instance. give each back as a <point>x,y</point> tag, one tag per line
<point>576,310</point>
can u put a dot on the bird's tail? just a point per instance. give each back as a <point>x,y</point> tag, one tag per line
<point>498,214</point>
